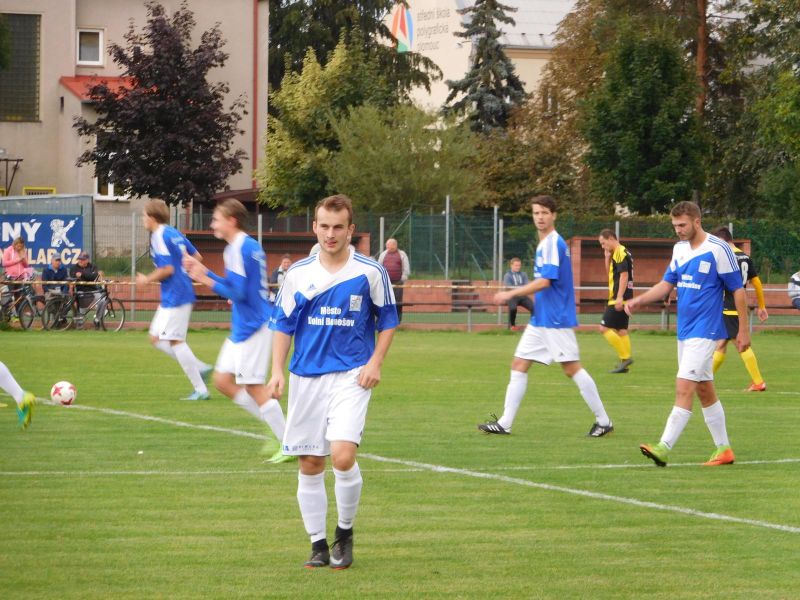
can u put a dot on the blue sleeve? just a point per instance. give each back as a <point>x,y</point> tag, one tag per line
<point>732,281</point>
<point>671,275</point>
<point>387,317</point>
<point>233,287</point>
<point>190,249</point>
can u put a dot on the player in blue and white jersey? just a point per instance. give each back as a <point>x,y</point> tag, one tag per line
<point>702,268</point>
<point>549,337</point>
<point>241,369</point>
<point>332,303</point>
<point>171,321</point>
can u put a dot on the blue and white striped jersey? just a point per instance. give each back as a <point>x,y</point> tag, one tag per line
<point>334,316</point>
<point>701,276</point>
<point>167,246</point>
<point>245,284</point>
<point>554,306</point>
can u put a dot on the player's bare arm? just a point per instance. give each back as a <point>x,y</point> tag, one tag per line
<point>525,290</point>
<point>655,293</point>
<point>159,274</point>
<point>280,350</point>
<point>623,285</point>
<point>743,337</point>
<point>370,375</point>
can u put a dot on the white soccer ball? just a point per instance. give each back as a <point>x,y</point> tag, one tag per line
<point>63,392</point>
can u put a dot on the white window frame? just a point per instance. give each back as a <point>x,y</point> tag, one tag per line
<point>110,197</point>
<point>101,53</point>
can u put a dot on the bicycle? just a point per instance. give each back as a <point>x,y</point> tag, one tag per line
<point>84,309</point>
<point>21,301</point>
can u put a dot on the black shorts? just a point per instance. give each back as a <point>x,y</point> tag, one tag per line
<point>731,325</point>
<point>615,319</point>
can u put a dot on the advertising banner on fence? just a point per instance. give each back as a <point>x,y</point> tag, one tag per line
<point>44,236</point>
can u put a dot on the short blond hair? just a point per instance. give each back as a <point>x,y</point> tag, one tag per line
<point>157,209</point>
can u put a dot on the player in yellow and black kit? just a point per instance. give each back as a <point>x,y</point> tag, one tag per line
<point>614,325</point>
<point>731,317</point>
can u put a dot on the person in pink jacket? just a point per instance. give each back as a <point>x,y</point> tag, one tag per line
<point>15,260</point>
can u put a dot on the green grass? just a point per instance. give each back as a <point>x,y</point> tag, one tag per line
<point>102,505</point>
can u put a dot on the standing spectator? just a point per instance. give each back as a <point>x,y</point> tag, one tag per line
<point>397,266</point>
<point>276,278</point>
<point>702,268</point>
<point>171,321</point>
<point>15,263</point>
<point>55,271</point>
<point>794,290</point>
<point>332,305</point>
<point>614,324</point>
<point>550,337</point>
<point>516,277</point>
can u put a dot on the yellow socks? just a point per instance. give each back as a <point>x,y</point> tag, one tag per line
<point>719,358</point>
<point>750,362</point>
<point>613,338</point>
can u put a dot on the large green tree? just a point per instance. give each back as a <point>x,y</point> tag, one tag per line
<point>645,145</point>
<point>297,25</point>
<point>403,157</point>
<point>491,89</point>
<point>169,135</point>
<point>301,137</point>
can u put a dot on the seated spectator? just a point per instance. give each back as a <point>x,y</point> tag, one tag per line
<point>276,278</point>
<point>86,271</point>
<point>794,290</point>
<point>55,271</point>
<point>515,277</point>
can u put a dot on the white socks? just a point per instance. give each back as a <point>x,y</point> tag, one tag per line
<point>313,500</point>
<point>271,413</point>
<point>591,396</point>
<point>10,385</point>
<point>515,391</point>
<point>313,503</point>
<point>348,493</point>
<point>243,399</point>
<point>190,365</point>
<point>676,422</point>
<point>715,421</point>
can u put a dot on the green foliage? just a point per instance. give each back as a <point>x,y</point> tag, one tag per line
<point>295,27</point>
<point>491,89</point>
<point>401,157</point>
<point>301,137</point>
<point>645,145</point>
<point>169,136</point>
<point>779,114</point>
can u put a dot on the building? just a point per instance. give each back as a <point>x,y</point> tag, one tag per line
<point>59,47</point>
<point>428,27</point>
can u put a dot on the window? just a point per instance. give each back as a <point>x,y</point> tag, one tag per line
<point>19,84</point>
<point>90,47</point>
<point>104,189</point>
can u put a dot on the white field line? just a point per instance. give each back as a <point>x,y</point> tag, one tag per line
<point>477,474</point>
<point>146,473</point>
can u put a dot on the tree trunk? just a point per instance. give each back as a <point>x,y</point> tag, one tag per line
<point>702,57</point>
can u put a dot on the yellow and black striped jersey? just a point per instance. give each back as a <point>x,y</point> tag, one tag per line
<point>621,262</point>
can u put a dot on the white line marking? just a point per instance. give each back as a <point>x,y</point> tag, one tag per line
<point>475,474</point>
<point>265,471</point>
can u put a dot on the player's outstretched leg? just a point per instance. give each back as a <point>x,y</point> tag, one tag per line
<point>25,400</point>
<point>515,391</point>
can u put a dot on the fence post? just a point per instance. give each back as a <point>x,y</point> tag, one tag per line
<point>133,266</point>
<point>469,318</point>
<point>260,224</point>
<point>381,235</point>
<point>500,261</point>
<point>447,237</point>
<point>494,244</point>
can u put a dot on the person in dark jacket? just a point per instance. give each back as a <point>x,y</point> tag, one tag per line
<point>55,271</point>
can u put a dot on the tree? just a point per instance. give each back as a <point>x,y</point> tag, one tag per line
<point>645,144</point>
<point>491,89</point>
<point>297,25</point>
<point>402,157</point>
<point>301,136</point>
<point>168,135</point>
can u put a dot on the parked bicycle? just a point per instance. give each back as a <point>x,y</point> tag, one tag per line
<point>20,300</point>
<point>95,309</point>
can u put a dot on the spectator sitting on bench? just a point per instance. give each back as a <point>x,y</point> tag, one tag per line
<point>55,271</point>
<point>794,290</point>
<point>516,277</point>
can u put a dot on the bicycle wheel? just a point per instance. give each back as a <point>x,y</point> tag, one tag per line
<point>114,317</point>
<point>87,319</point>
<point>26,313</point>
<point>38,304</point>
<point>57,314</point>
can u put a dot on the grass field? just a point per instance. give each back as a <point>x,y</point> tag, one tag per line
<point>132,493</point>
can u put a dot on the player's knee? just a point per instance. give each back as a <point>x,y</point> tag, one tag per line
<point>312,465</point>
<point>222,382</point>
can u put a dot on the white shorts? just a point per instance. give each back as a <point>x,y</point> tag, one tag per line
<point>247,360</point>
<point>546,345</point>
<point>696,359</point>
<point>171,323</point>
<point>324,409</point>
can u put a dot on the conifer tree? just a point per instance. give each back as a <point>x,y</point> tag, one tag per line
<point>491,88</point>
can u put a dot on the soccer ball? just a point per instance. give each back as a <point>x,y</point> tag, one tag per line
<point>63,392</point>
